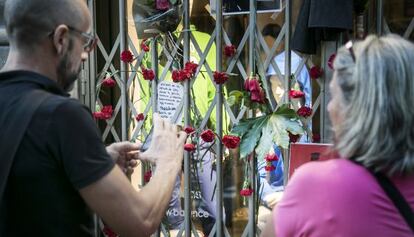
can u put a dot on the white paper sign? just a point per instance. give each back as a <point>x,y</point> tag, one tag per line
<point>169,97</point>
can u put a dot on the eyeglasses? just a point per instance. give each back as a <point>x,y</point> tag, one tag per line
<point>90,39</point>
<point>348,46</point>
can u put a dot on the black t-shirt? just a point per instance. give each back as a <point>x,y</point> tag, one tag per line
<point>61,152</point>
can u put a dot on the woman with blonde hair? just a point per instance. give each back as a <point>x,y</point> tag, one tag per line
<point>369,191</point>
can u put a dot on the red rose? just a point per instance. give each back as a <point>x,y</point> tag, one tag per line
<point>331,61</point>
<point>304,111</point>
<point>107,112</point>
<point>296,94</point>
<point>190,66</point>
<point>254,85</point>
<point>162,5</point>
<point>109,232</point>
<point>189,130</point>
<point>148,74</point>
<point>127,56</point>
<point>246,192</point>
<point>229,50</point>
<point>270,167</point>
<point>257,96</point>
<point>271,157</point>
<point>185,74</point>
<point>293,138</point>
<point>189,147</point>
<point>315,72</point>
<point>108,82</point>
<point>207,135</point>
<point>316,137</point>
<point>140,117</point>
<point>231,141</point>
<point>144,46</point>
<point>147,176</point>
<point>220,77</point>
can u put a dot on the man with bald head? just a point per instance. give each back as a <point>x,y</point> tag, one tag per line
<point>61,170</point>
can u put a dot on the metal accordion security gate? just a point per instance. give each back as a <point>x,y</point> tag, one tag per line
<point>129,121</point>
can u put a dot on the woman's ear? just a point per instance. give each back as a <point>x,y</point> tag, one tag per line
<point>61,39</point>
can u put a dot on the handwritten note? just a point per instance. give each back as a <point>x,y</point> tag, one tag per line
<point>169,97</point>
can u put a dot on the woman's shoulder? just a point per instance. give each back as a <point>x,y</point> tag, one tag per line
<point>341,174</point>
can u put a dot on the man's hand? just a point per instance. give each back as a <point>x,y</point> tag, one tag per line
<point>167,145</point>
<point>125,155</point>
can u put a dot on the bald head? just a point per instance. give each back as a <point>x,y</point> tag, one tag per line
<point>28,22</point>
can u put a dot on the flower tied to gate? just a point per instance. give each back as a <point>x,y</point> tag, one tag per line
<point>257,94</point>
<point>104,114</point>
<point>229,50</point>
<point>108,82</point>
<point>207,135</point>
<point>187,73</point>
<point>147,176</point>
<point>189,147</point>
<point>220,77</point>
<point>304,111</point>
<point>231,141</point>
<point>316,72</point>
<point>144,46</point>
<point>148,74</point>
<point>189,130</point>
<point>127,56</point>
<point>140,117</point>
<point>271,157</point>
<point>295,94</point>
<point>246,190</point>
<point>293,138</point>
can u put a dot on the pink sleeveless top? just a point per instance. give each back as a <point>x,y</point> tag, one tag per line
<point>339,198</point>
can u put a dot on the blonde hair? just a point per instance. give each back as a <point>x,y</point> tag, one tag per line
<point>378,99</point>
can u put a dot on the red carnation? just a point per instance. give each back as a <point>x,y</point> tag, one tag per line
<point>315,72</point>
<point>190,66</point>
<point>270,167</point>
<point>293,138</point>
<point>246,192</point>
<point>220,77</point>
<point>257,96</point>
<point>176,76</point>
<point>231,141</point>
<point>207,135</point>
<point>127,56</point>
<point>304,111</point>
<point>104,114</point>
<point>140,117</point>
<point>229,50</point>
<point>148,74</point>
<point>147,176</point>
<point>189,130</point>
<point>144,46</point>
<point>189,147</point>
<point>185,74</point>
<point>108,82</point>
<point>296,94</point>
<point>271,157</point>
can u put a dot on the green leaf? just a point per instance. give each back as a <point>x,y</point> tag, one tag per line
<point>249,141</point>
<point>280,126</point>
<point>284,110</point>
<point>244,125</point>
<point>266,142</point>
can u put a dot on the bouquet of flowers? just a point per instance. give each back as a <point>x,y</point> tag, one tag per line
<point>153,17</point>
